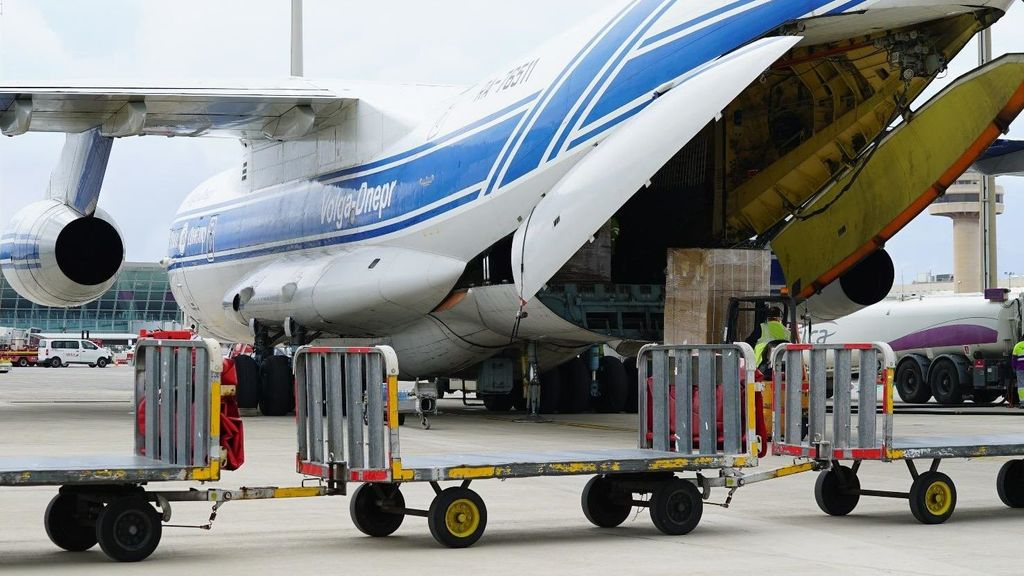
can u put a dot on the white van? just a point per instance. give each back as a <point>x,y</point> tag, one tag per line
<point>64,351</point>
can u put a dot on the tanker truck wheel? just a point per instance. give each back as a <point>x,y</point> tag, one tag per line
<point>910,383</point>
<point>945,380</point>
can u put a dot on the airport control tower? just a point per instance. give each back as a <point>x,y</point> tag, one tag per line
<point>961,205</point>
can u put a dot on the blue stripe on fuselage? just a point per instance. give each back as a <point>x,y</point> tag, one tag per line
<point>325,242</point>
<point>333,209</point>
<point>542,133</point>
<point>845,7</point>
<point>604,79</point>
<point>646,72</point>
<point>527,123</point>
<point>437,142</point>
<point>704,18</point>
<point>379,164</point>
<point>447,169</point>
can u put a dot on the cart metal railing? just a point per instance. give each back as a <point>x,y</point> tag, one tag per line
<point>178,391</point>
<point>671,373</point>
<point>852,431</point>
<point>346,412</point>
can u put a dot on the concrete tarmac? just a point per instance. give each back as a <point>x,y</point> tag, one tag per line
<point>535,526</point>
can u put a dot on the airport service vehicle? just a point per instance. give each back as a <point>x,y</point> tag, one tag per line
<point>949,347</point>
<point>460,224</point>
<point>66,351</point>
<point>20,358</point>
<point>19,347</point>
<point>5,366</point>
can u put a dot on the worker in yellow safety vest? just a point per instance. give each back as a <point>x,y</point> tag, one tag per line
<point>1018,365</point>
<point>771,331</point>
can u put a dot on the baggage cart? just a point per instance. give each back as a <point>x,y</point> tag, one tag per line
<point>861,432</point>
<point>349,432</point>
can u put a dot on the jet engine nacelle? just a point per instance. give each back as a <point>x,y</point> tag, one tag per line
<point>867,284</point>
<point>55,256</point>
<point>362,291</point>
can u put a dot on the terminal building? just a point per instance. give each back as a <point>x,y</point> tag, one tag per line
<point>140,299</point>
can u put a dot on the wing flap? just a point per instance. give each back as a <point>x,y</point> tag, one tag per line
<point>281,112</point>
<point>912,167</point>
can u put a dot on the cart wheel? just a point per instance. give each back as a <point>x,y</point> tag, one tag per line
<point>129,529</point>
<point>837,491</point>
<point>401,419</point>
<point>601,504</point>
<point>457,517</point>
<point>1010,484</point>
<point>676,507</point>
<point>366,508</point>
<point>932,498</point>
<point>64,525</point>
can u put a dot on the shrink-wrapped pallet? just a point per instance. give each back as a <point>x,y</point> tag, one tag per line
<point>698,287</point>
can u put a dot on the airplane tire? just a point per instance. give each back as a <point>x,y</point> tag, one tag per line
<point>613,385</point>
<point>277,397</point>
<point>575,387</point>
<point>247,375</point>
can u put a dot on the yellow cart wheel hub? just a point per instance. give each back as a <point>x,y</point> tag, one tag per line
<point>938,498</point>
<point>462,518</point>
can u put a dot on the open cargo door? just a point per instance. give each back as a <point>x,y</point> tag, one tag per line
<point>913,165</point>
<point>610,174</point>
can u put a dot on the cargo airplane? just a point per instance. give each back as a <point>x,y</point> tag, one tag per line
<point>528,216</point>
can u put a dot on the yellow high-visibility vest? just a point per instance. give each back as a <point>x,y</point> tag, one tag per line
<point>771,331</point>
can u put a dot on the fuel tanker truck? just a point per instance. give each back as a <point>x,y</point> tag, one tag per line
<point>948,347</point>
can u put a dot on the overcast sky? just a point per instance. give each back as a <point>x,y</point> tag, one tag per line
<point>437,41</point>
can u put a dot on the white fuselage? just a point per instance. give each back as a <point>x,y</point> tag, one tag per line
<point>423,179</point>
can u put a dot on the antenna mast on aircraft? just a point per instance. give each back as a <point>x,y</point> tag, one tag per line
<point>297,38</point>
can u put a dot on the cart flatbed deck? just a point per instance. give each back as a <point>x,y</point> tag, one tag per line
<point>484,465</point>
<point>931,447</point>
<point>100,469</point>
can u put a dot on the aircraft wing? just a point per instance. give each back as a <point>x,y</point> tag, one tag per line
<point>1004,158</point>
<point>286,111</point>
